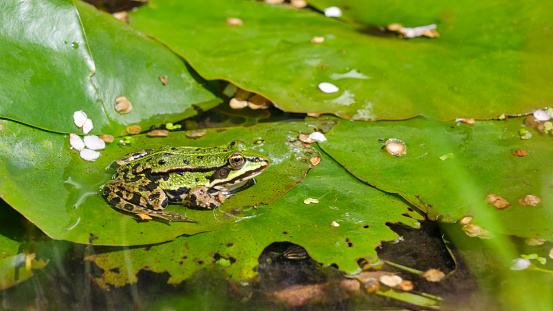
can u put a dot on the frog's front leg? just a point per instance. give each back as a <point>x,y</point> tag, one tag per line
<point>202,197</point>
<point>142,197</point>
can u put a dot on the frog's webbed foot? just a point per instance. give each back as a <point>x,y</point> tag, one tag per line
<point>202,197</point>
<point>142,198</point>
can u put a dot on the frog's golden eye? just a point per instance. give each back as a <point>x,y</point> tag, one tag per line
<point>236,160</point>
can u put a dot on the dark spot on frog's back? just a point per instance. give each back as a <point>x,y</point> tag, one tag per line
<point>151,186</point>
<point>128,207</point>
<point>115,200</point>
<point>142,188</point>
<point>135,199</point>
<point>161,162</point>
<point>154,196</point>
<point>198,149</point>
<point>186,162</point>
<point>177,194</point>
<point>174,149</point>
<point>200,157</point>
<point>133,179</point>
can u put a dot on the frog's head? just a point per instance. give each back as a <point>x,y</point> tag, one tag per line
<point>241,166</point>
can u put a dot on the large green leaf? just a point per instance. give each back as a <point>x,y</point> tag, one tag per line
<point>51,68</point>
<point>60,193</point>
<point>480,67</point>
<point>129,64</point>
<point>477,161</point>
<point>45,63</point>
<point>360,211</point>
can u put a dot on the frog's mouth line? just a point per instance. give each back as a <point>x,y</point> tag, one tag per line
<point>238,181</point>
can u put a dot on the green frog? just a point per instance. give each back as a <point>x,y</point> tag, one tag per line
<point>148,180</point>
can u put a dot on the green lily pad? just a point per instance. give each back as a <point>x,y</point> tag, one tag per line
<point>16,265</point>
<point>60,192</point>
<point>46,62</point>
<point>348,222</point>
<point>482,66</point>
<point>135,73</point>
<point>66,66</point>
<point>450,187</point>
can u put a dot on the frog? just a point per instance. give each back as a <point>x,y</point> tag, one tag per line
<point>146,181</point>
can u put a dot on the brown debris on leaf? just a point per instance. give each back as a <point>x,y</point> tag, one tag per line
<point>497,201</point>
<point>196,134</point>
<point>475,231</point>
<point>529,200</point>
<point>107,138</point>
<point>303,137</point>
<point>158,133</point>
<point>520,153</point>
<point>122,16</point>
<point>134,129</point>
<point>315,161</point>
<point>234,21</point>
<point>122,104</point>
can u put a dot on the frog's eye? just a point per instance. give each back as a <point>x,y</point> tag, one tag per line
<point>236,160</point>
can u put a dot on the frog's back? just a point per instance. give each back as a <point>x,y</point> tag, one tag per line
<point>188,157</point>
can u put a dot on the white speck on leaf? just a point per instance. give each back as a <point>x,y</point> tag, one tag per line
<point>94,142</point>
<point>310,200</point>
<point>328,88</point>
<point>333,11</point>
<point>88,126</point>
<point>416,31</point>
<point>541,115</point>
<point>79,117</point>
<point>89,155</point>
<point>76,142</point>
<point>317,136</point>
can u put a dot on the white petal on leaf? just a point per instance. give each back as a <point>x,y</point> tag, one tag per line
<point>94,142</point>
<point>89,155</point>
<point>76,142</point>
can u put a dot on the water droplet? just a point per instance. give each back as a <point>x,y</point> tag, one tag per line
<point>74,45</point>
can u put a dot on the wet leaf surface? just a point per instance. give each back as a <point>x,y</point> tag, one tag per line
<point>135,72</point>
<point>448,188</point>
<point>360,211</point>
<point>66,66</point>
<point>480,67</point>
<point>60,193</point>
